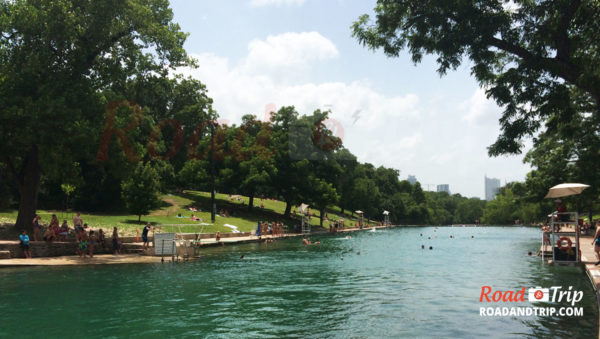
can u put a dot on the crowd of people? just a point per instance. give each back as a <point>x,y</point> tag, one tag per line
<point>87,240</point>
<point>272,228</point>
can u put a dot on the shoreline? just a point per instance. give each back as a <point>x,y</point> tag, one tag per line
<point>141,258</point>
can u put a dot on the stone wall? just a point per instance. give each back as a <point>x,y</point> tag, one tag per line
<point>57,249</point>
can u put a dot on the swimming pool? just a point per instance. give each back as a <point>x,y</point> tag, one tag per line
<point>376,284</point>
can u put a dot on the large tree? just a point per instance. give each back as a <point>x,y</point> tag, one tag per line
<point>540,60</point>
<point>56,58</point>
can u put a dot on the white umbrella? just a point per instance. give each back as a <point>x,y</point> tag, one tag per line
<point>386,212</point>
<point>303,208</point>
<point>358,212</point>
<point>564,190</point>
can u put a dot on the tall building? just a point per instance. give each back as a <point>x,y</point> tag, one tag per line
<point>412,179</point>
<point>492,185</point>
<point>443,188</point>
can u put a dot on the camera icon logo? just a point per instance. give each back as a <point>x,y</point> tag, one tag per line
<point>539,294</point>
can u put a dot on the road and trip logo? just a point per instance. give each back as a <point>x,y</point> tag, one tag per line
<point>560,302</point>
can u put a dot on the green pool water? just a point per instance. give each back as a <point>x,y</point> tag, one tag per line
<point>374,285</point>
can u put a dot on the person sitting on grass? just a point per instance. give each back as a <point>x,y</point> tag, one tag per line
<point>49,235</point>
<point>63,231</point>
<point>24,243</point>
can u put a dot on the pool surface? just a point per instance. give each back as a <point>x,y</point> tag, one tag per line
<point>375,285</point>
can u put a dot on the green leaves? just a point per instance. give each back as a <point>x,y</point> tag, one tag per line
<point>141,192</point>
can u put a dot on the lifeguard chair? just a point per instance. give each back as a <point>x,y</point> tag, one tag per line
<point>564,226</point>
<point>386,218</point>
<point>306,229</point>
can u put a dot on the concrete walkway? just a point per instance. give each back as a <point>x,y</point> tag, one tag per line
<point>100,259</point>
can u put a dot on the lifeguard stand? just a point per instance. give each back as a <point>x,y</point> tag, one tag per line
<point>386,218</point>
<point>360,219</point>
<point>564,237</point>
<point>305,219</point>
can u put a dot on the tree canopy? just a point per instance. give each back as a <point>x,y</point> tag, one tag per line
<point>57,57</point>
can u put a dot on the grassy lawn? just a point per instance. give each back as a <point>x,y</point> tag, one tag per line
<point>175,204</point>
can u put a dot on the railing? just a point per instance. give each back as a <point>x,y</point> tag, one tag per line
<point>560,232</point>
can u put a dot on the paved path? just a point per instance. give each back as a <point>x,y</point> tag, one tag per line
<point>100,259</point>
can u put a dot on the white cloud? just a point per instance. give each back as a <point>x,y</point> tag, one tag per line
<point>479,110</point>
<point>441,139</point>
<point>287,55</point>
<point>260,3</point>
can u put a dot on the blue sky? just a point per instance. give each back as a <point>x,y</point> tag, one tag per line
<point>254,53</point>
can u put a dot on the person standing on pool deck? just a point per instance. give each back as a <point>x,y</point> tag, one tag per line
<point>115,241</point>
<point>36,226</point>
<point>147,229</point>
<point>596,242</point>
<point>24,238</point>
<point>77,221</point>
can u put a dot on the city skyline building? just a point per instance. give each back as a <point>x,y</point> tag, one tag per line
<point>443,188</point>
<point>492,185</point>
<point>412,179</point>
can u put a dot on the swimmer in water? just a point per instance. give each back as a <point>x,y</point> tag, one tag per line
<point>430,247</point>
<point>422,247</point>
<point>305,241</point>
<point>348,237</point>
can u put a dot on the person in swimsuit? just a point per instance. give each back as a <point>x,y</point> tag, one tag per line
<point>24,238</point>
<point>102,239</point>
<point>36,226</point>
<point>115,242</point>
<point>596,242</point>
<point>145,231</point>
<point>63,231</point>
<point>92,242</point>
<point>49,235</point>
<point>83,244</point>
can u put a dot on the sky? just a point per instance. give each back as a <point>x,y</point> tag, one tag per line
<point>259,55</point>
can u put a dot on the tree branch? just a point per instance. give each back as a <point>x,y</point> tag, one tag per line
<point>561,37</point>
<point>90,57</point>
<point>557,67</point>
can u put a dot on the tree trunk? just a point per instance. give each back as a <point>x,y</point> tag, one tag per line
<point>251,201</point>
<point>140,218</point>
<point>28,182</point>
<point>288,209</point>
<point>322,212</point>
<point>342,213</point>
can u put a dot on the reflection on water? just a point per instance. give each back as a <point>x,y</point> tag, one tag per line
<point>376,284</point>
